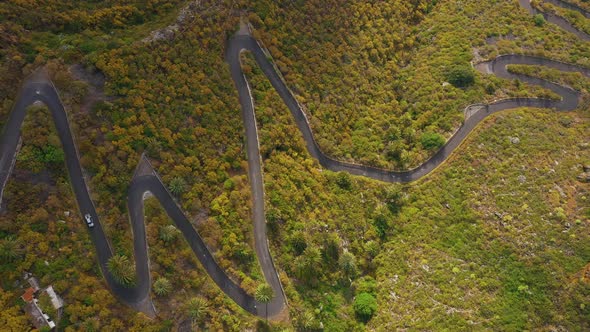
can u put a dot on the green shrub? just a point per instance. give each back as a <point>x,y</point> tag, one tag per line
<point>366,284</point>
<point>381,225</point>
<point>372,248</point>
<point>331,248</point>
<point>432,141</point>
<point>347,264</point>
<point>298,243</point>
<point>461,76</point>
<point>393,199</point>
<point>365,305</point>
<point>229,184</point>
<point>343,180</point>
<point>539,20</point>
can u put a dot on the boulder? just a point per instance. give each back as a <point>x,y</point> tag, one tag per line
<point>514,140</point>
<point>584,177</point>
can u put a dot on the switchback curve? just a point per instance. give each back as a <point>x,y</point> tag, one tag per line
<point>558,20</point>
<point>39,88</point>
<point>244,42</point>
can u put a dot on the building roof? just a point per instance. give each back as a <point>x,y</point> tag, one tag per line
<point>39,319</point>
<point>55,299</point>
<point>28,295</point>
<point>34,283</point>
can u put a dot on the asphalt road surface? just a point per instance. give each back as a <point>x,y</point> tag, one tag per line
<point>39,88</point>
<point>570,99</point>
<point>559,21</point>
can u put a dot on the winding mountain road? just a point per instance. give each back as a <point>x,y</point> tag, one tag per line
<point>557,20</point>
<point>39,88</point>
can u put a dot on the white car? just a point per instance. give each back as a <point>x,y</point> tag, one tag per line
<point>89,220</point>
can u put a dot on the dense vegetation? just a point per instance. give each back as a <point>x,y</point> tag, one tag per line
<point>408,49</point>
<point>576,18</point>
<point>494,239</point>
<point>441,253</point>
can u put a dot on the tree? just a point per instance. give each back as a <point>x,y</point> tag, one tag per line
<point>162,286</point>
<point>539,20</point>
<point>372,248</point>
<point>122,270</point>
<point>365,306</point>
<point>347,264</point>
<point>307,264</point>
<point>197,309</point>
<point>298,243</point>
<point>91,325</point>
<point>308,322</point>
<point>394,150</point>
<point>264,293</point>
<point>461,76</point>
<point>168,233</point>
<point>331,250</point>
<point>366,284</point>
<point>177,185</point>
<point>381,225</point>
<point>343,180</point>
<point>393,199</point>
<point>10,249</point>
<point>12,318</point>
<point>432,141</point>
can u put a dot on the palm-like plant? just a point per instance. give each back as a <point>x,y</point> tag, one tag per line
<point>91,325</point>
<point>162,286</point>
<point>308,322</point>
<point>168,233</point>
<point>264,294</point>
<point>177,185</point>
<point>197,309</point>
<point>347,263</point>
<point>122,270</point>
<point>10,249</point>
<point>308,263</point>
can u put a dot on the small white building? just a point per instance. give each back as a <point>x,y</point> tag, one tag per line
<point>56,301</point>
<point>32,307</point>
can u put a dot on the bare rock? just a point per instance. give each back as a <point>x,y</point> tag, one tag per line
<point>584,177</point>
<point>514,140</point>
<point>185,15</point>
<point>560,190</point>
